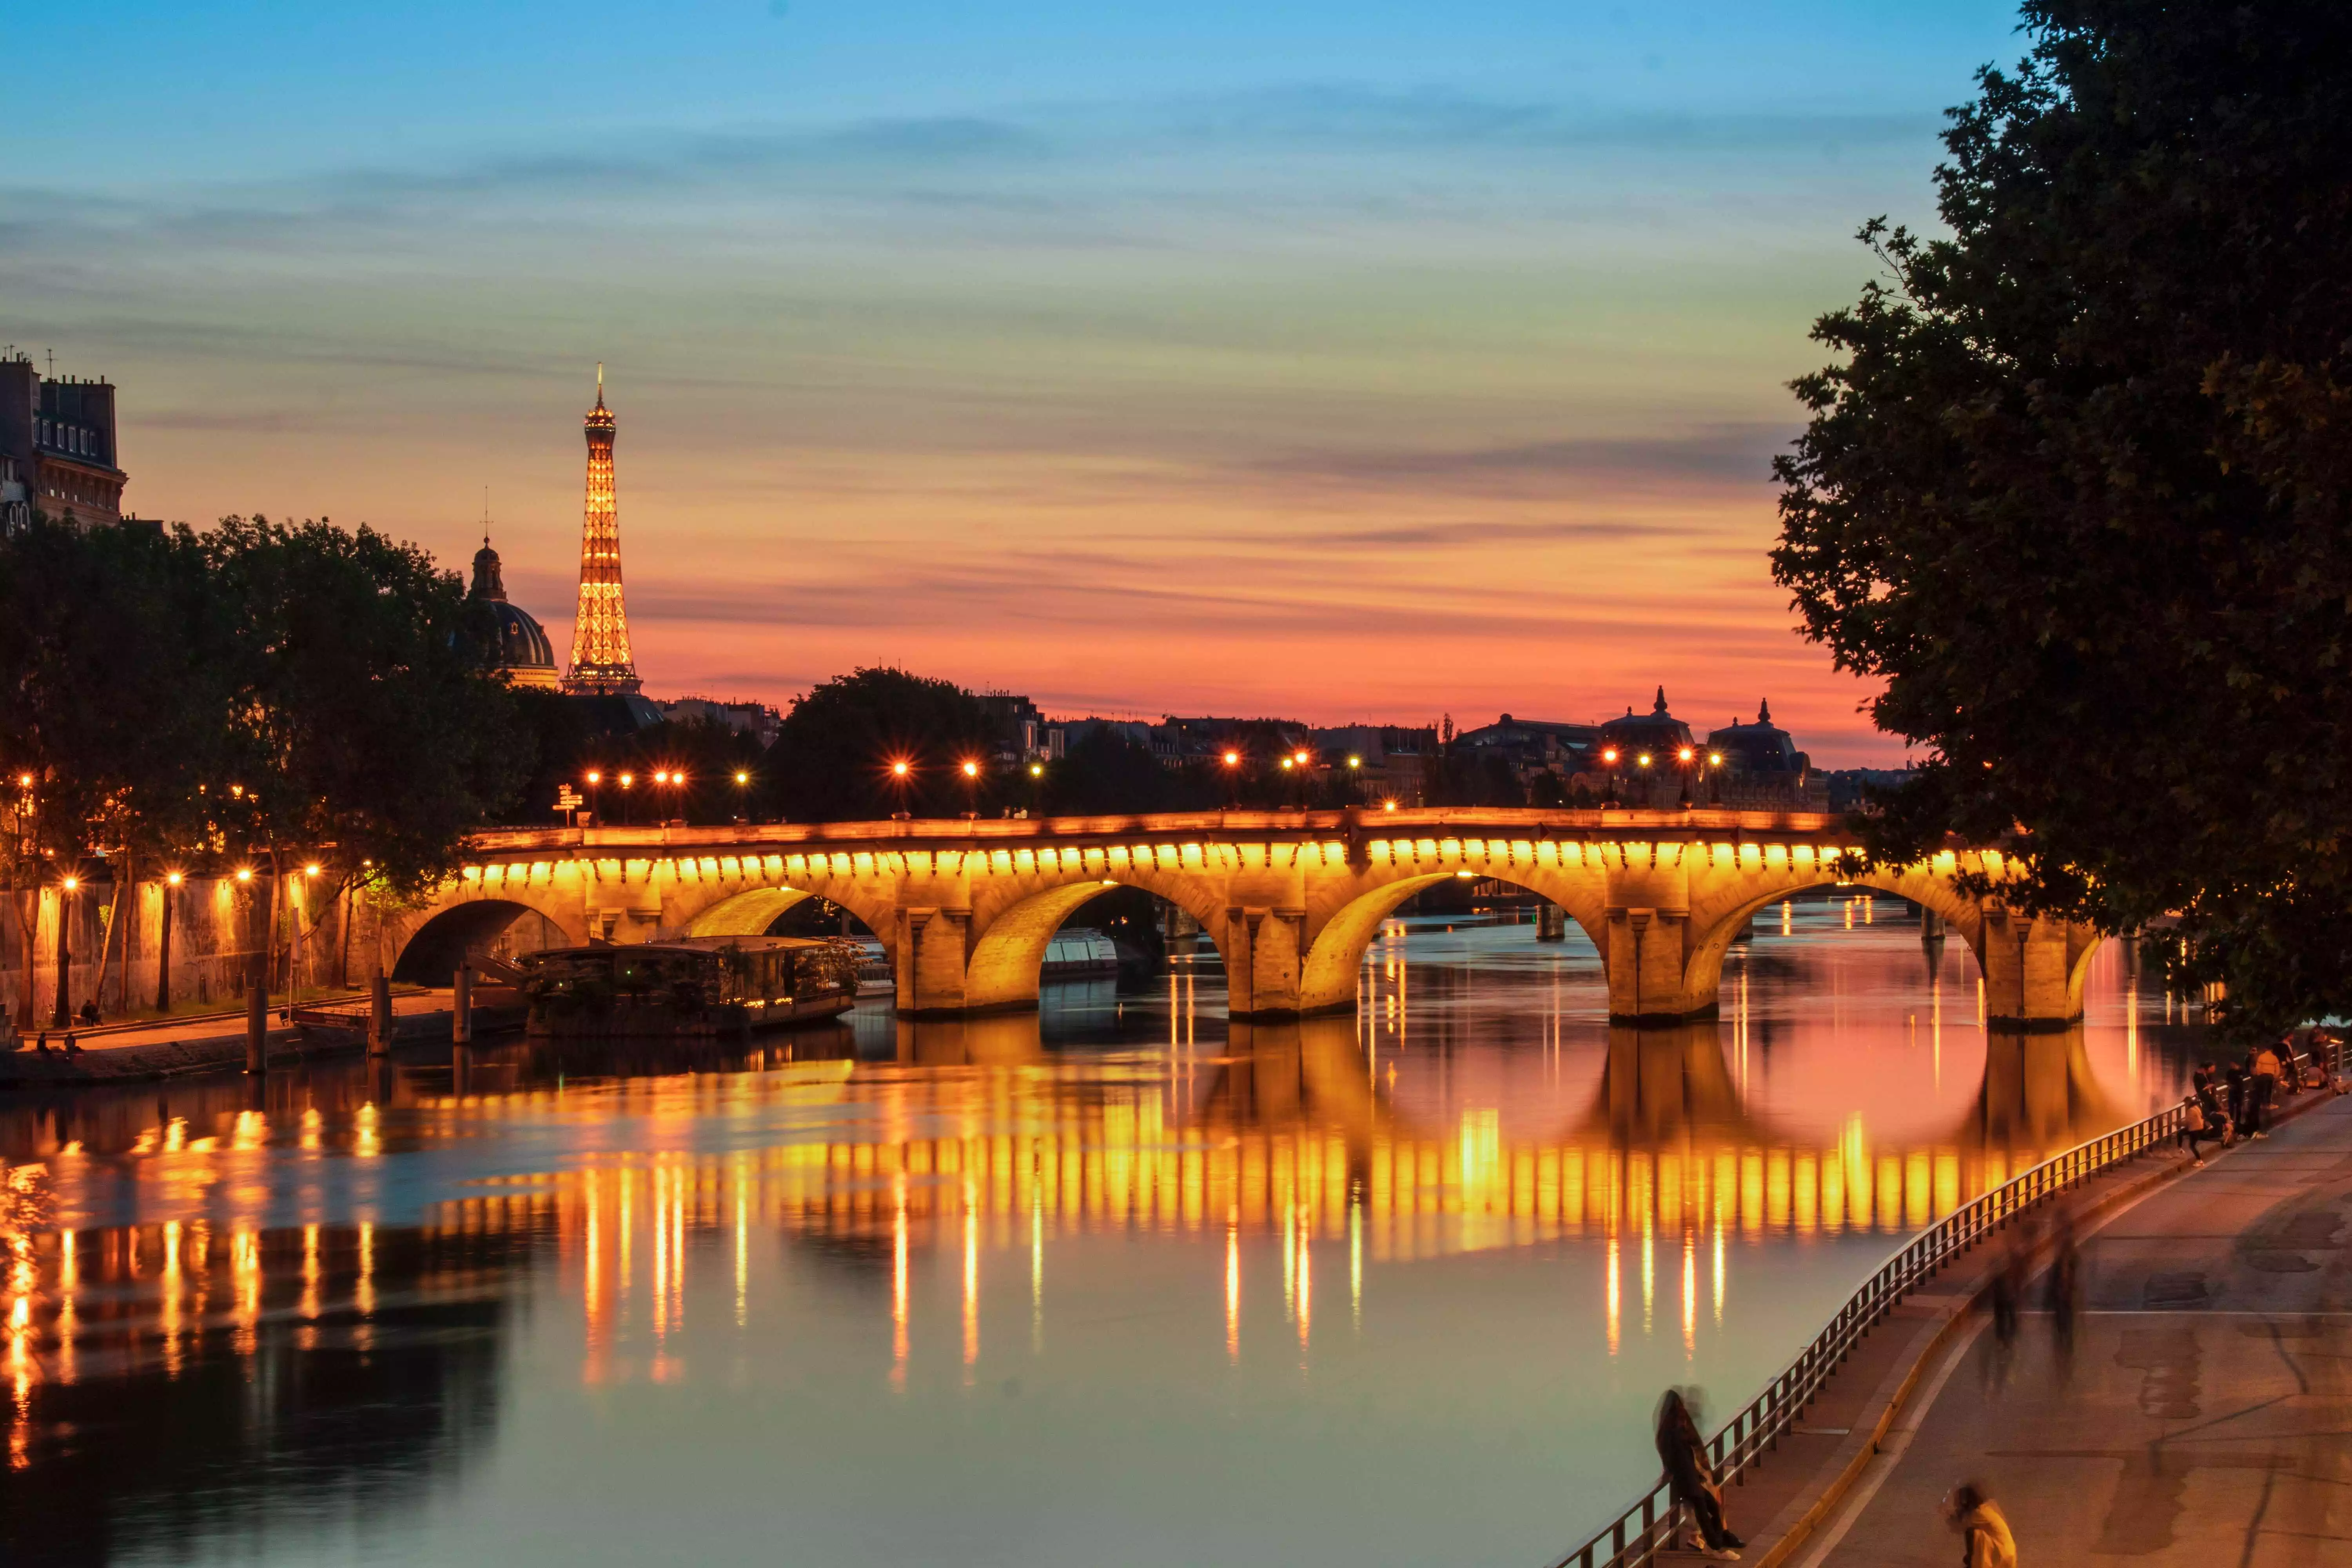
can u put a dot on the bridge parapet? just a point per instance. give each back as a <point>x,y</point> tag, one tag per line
<point>965,907</point>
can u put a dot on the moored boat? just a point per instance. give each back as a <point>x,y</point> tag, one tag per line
<point>693,987</point>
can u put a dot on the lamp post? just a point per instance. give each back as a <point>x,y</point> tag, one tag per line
<point>628,781</point>
<point>62,1012</point>
<point>1233,761</point>
<point>594,778</point>
<point>743,794</point>
<point>172,881</point>
<point>970,769</point>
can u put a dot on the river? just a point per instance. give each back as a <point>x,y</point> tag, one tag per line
<point>1114,1282</point>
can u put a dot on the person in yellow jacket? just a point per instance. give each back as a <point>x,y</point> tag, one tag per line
<point>1985,1540</point>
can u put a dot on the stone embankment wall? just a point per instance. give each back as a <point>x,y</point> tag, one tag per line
<point>114,942</point>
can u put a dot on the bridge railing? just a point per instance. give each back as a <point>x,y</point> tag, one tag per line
<point>1638,1535</point>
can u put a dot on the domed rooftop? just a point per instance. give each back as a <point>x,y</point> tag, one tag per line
<point>524,653</point>
<point>1657,733</point>
<point>1762,747</point>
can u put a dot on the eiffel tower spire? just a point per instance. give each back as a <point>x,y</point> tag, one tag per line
<point>601,664</point>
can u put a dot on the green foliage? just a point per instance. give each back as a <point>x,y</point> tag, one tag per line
<point>1105,774</point>
<point>362,714</point>
<point>113,650</point>
<point>708,752</point>
<point>259,688</point>
<point>831,760</point>
<point>2077,488</point>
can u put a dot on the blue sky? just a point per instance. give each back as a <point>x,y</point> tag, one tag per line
<point>1359,352</point>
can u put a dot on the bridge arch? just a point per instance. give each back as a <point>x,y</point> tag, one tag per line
<point>431,951</point>
<point>1704,966</point>
<point>1329,977</point>
<point>1008,954</point>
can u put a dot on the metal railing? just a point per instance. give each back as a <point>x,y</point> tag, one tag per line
<point>1636,1536</point>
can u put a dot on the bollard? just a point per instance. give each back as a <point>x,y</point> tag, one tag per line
<point>256,1028</point>
<point>380,1016</point>
<point>461,1007</point>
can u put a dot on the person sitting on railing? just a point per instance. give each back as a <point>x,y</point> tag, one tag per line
<point>1690,1480</point>
<point>1984,1532</point>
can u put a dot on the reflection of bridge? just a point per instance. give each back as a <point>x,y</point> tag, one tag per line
<point>1284,1131</point>
<point>1290,898</point>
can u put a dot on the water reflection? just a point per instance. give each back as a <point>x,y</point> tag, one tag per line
<point>1393,1287</point>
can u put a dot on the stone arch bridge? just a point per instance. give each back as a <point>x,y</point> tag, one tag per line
<point>964,907</point>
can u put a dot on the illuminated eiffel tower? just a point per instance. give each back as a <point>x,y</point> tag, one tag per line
<point>601,665</point>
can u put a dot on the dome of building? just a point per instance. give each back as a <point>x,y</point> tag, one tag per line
<point>524,655</point>
<point>1762,747</point>
<point>1656,734</point>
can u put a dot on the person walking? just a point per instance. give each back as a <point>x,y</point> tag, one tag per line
<point>1985,1538</point>
<point>2205,1120</point>
<point>2007,1298</point>
<point>1690,1480</point>
<point>2062,1288</point>
<point>2262,1083</point>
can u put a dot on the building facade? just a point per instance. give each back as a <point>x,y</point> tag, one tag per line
<point>58,445</point>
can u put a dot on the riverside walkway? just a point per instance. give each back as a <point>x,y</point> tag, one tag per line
<point>2205,1416</point>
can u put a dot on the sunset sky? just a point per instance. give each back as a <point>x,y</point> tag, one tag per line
<point>1330,361</point>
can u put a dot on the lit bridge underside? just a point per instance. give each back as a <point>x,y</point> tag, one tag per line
<point>1290,899</point>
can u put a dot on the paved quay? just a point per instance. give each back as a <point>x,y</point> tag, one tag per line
<point>2205,1415</point>
<point>171,1047</point>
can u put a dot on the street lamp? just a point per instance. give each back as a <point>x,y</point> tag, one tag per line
<point>970,769</point>
<point>628,783</point>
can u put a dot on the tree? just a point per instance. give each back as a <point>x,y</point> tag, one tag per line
<point>837,755</point>
<point>110,707</point>
<point>1107,774</point>
<point>362,714</point>
<point>2077,488</point>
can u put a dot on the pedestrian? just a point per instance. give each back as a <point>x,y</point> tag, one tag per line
<point>2262,1083</point>
<point>2007,1296</point>
<point>1985,1540</point>
<point>2202,1119</point>
<point>2062,1289</point>
<point>1690,1480</point>
<point>2234,1077</point>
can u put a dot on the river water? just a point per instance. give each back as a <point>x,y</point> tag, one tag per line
<point>1115,1282</point>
